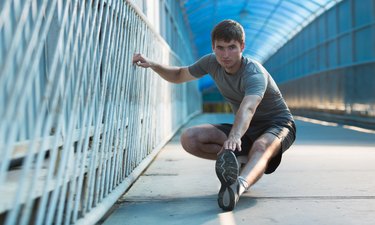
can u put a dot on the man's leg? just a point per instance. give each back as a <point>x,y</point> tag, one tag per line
<point>261,152</point>
<point>204,141</point>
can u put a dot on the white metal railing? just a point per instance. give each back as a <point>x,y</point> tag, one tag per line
<point>78,121</point>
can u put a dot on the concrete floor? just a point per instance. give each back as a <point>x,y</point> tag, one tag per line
<point>326,177</point>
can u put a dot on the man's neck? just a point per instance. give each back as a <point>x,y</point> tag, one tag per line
<point>234,69</point>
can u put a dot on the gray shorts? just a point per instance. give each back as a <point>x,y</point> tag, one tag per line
<point>285,130</point>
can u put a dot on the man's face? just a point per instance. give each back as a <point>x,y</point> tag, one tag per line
<point>228,54</point>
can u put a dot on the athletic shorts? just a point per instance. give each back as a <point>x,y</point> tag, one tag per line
<point>284,130</point>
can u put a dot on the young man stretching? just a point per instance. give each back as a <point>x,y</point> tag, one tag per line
<point>263,127</point>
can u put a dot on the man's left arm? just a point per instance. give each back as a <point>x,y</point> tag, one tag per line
<point>242,121</point>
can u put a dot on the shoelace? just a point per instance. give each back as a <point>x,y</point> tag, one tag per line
<point>243,185</point>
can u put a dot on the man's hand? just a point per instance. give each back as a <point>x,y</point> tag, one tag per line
<point>172,74</point>
<point>232,143</point>
<point>141,61</point>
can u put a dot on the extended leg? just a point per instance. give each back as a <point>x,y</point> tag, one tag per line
<point>232,185</point>
<point>261,152</point>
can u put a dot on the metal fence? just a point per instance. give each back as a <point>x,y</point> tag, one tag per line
<point>78,121</point>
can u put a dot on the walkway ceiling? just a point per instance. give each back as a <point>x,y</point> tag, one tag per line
<point>268,24</point>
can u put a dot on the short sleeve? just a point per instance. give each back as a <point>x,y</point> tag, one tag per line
<point>200,67</point>
<point>255,84</point>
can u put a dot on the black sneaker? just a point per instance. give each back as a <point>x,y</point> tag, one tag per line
<point>227,170</point>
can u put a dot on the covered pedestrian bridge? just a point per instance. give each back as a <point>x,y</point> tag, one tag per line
<point>79,123</point>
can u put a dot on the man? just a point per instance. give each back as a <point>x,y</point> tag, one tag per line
<point>263,127</point>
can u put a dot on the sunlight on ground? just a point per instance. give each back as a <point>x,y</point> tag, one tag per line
<point>324,123</point>
<point>226,218</point>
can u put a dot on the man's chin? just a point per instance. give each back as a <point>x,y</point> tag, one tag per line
<point>226,65</point>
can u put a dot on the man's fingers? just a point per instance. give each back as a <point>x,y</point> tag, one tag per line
<point>141,64</point>
<point>230,145</point>
<point>141,61</point>
<point>239,147</point>
<point>137,57</point>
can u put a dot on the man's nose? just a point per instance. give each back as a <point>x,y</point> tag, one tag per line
<point>226,52</point>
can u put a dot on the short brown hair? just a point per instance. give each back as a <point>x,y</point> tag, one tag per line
<point>228,30</point>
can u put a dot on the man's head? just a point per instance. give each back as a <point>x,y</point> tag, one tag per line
<point>228,43</point>
<point>228,30</point>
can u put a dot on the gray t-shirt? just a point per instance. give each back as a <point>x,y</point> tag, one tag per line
<point>251,79</point>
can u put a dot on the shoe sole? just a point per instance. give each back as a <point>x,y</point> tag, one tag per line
<point>227,170</point>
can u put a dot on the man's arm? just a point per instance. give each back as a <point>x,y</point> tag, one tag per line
<point>172,74</point>
<point>242,121</point>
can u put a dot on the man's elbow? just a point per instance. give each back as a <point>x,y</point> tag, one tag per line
<point>181,75</point>
<point>252,104</point>
<point>250,110</point>
<point>179,80</point>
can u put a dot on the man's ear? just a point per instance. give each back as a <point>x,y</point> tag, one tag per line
<point>242,46</point>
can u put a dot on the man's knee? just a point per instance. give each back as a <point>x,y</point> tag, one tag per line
<point>259,146</point>
<point>265,148</point>
<point>188,139</point>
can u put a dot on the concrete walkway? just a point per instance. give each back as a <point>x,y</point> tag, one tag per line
<point>327,177</point>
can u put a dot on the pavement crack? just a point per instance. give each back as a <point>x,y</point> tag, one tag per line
<point>159,174</point>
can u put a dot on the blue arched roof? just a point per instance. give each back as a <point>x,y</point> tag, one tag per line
<point>268,24</point>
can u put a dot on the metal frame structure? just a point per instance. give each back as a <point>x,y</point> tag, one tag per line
<point>79,122</point>
<point>329,66</point>
<point>268,24</point>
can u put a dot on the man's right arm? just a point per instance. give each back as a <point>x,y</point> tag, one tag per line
<point>172,74</point>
